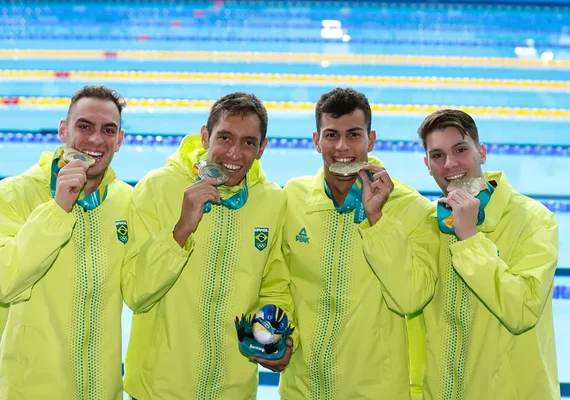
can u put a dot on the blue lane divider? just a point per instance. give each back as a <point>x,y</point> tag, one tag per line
<point>440,29</point>
<point>299,143</point>
<point>283,39</point>
<point>410,12</point>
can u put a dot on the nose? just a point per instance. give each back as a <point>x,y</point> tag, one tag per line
<point>96,138</point>
<point>233,152</point>
<point>450,162</point>
<point>342,144</point>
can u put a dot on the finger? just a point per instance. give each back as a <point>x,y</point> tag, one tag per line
<point>216,193</point>
<point>78,164</point>
<point>365,179</point>
<point>75,178</point>
<point>373,168</point>
<point>209,181</point>
<point>72,170</point>
<point>381,175</point>
<point>204,198</point>
<point>380,185</point>
<point>71,184</point>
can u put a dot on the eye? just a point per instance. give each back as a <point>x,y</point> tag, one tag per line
<point>461,149</point>
<point>83,126</point>
<point>354,134</point>
<point>436,155</point>
<point>109,131</point>
<point>250,143</point>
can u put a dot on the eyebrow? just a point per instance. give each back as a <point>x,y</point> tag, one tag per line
<point>356,128</point>
<point>463,142</point>
<point>224,132</point>
<point>86,121</point>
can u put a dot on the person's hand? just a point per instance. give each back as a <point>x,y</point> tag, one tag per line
<point>195,196</point>
<point>70,180</point>
<point>375,193</point>
<point>465,209</point>
<point>277,365</point>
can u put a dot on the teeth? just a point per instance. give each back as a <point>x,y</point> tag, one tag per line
<point>343,159</point>
<point>455,177</point>
<point>231,167</point>
<point>93,153</point>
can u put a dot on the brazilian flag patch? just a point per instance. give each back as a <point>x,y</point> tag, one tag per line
<point>261,236</point>
<point>122,231</point>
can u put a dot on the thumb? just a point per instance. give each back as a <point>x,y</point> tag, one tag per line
<point>289,342</point>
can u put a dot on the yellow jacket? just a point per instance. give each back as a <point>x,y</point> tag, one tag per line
<point>60,274</point>
<point>3,317</point>
<point>183,342</point>
<point>490,332</point>
<point>353,341</point>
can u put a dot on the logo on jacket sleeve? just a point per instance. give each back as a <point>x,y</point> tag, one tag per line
<point>261,236</point>
<point>122,231</point>
<point>302,236</point>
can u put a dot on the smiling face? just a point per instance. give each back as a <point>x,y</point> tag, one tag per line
<point>93,126</point>
<point>451,155</point>
<point>343,139</point>
<point>235,142</point>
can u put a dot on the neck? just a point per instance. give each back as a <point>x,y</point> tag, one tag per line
<point>92,185</point>
<point>339,188</point>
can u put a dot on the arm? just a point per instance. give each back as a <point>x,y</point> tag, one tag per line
<point>515,293</point>
<point>404,260</point>
<point>29,246</point>
<point>154,260</point>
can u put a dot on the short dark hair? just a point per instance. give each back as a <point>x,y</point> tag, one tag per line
<point>238,103</point>
<point>342,101</point>
<point>442,119</point>
<point>98,92</point>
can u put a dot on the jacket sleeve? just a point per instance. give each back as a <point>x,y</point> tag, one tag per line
<point>29,246</point>
<point>404,256</point>
<point>155,260</point>
<point>275,285</point>
<point>515,293</point>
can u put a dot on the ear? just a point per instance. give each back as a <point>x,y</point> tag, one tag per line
<point>120,140</point>
<point>62,131</point>
<point>427,165</point>
<point>483,153</point>
<point>205,138</point>
<point>317,140</point>
<point>371,140</point>
<point>261,149</point>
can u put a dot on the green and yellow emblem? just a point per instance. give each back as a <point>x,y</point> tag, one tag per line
<point>122,231</point>
<point>261,236</point>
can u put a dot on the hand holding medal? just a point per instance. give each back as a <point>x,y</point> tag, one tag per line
<point>375,191</point>
<point>72,177</point>
<point>196,198</point>
<point>464,205</point>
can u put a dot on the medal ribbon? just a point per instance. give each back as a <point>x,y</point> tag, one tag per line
<point>352,202</point>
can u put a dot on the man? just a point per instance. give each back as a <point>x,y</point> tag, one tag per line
<point>211,252</point>
<point>60,261</point>
<point>490,332</point>
<point>345,238</point>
